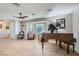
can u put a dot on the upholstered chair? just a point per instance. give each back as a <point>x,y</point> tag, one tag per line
<point>20,35</point>
<point>30,36</point>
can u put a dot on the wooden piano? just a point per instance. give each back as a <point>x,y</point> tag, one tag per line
<point>66,38</point>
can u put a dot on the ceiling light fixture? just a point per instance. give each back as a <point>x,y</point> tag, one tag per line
<point>49,10</point>
<point>16,4</point>
<point>33,13</point>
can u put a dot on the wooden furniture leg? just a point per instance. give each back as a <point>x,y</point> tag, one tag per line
<point>73,47</point>
<point>42,40</point>
<point>67,48</point>
<point>56,41</point>
<point>42,45</point>
<point>60,44</point>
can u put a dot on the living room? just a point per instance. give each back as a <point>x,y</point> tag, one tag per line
<point>36,18</point>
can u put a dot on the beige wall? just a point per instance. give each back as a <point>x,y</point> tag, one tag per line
<point>68,22</point>
<point>14,28</point>
<point>3,31</point>
<point>76,27</point>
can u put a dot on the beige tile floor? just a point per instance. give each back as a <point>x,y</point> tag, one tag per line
<point>13,47</point>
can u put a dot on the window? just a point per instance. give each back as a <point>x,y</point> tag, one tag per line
<point>40,28</point>
<point>29,27</point>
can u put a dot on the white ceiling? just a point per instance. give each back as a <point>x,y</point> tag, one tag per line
<point>7,10</point>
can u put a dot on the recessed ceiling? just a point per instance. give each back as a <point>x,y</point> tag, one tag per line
<point>34,10</point>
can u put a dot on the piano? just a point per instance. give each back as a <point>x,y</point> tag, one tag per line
<point>66,38</point>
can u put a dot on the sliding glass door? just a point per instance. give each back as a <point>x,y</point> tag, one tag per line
<point>40,28</point>
<point>36,28</point>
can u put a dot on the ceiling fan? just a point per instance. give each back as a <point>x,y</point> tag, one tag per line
<point>20,16</point>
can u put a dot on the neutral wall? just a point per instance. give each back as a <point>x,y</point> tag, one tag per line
<point>11,32</point>
<point>3,31</point>
<point>14,28</point>
<point>68,22</point>
<point>76,27</point>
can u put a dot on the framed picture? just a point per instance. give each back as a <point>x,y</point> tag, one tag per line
<point>0,26</point>
<point>61,22</point>
<point>7,27</point>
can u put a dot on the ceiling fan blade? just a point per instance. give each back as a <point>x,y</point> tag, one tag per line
<point>25,16</point>
<point>20,17</point>
<point>16,16</point>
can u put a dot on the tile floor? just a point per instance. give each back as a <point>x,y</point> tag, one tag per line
<point>14,47</point>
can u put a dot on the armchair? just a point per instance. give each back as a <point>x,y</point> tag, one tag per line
<point>30,36</point>
<point>20,35</point>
